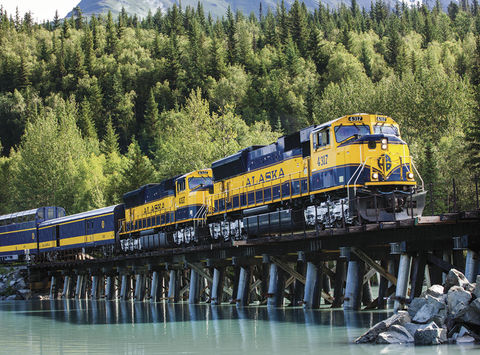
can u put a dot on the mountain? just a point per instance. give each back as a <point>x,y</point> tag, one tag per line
<point>216,7</point>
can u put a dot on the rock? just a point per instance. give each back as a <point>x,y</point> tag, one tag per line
<point>12,283</point>
<point>456,278</point>
<point>11,297</point>
<point>430,335</point>
<point>425,314</point>
<point>396,334</point>
<point>476,290</point>
<point>457,299</point>
<point>465,339</point>
<point>470,314</point>
<point>412,327</point>
<point>415,305</point>
<point>433,309</point>
<point>463,331</point>
<point>370,335</point>
<point>20,283</point>
<point>435,291</point>
<point>24,293</point>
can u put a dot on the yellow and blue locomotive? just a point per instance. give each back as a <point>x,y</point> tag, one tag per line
<point>172,212</point>
<point>346,171</point>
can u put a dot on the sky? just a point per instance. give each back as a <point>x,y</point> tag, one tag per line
<point>41,10</point>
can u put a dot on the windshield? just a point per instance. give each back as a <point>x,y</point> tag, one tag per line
<point>344,132</point>
<point>385,129</point>
<point>195,182</point>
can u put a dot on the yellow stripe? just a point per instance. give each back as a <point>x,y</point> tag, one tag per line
<point>79,240</point>
<point>77,220</point>
<point>373,183</point>
<point>17,247</point>
<point>21,230</point>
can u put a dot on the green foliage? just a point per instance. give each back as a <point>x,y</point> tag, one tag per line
<point>137,171</point>
<point>194,89</point>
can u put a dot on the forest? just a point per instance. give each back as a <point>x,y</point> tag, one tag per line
<point>91,108</point>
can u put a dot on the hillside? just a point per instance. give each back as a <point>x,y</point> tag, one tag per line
<point>91,108</point>
<point>215,7</point>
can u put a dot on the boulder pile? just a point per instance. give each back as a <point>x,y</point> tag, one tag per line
<point>13,285</point>
<point>442,314</point>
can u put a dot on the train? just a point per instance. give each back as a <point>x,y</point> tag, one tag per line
<point>352,170</point>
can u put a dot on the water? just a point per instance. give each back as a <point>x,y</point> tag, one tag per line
<point>99,327</point>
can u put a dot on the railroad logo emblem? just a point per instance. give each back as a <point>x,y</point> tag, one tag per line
<point>385,163</point>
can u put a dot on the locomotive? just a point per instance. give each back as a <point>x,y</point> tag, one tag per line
<point>352,170</point>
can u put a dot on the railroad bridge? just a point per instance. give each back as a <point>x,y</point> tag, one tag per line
<point>335,266</point>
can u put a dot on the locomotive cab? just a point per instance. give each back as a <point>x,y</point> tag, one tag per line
<point>363,158</point>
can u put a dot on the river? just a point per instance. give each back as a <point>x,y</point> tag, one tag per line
<point>111,327</point>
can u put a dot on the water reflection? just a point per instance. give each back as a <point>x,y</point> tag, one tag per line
<point>120,312</point>
<point>112,327</point>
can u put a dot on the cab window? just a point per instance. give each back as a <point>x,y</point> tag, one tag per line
<point>344,132</point>
<point>199,182</point>
<point>322,138</point>
<point>180,185</point>
<point>385,129</point>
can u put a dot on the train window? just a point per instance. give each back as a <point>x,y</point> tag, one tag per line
<point>40,213</point>
<point>344,132</point>
<point>51,213</point>
<point>196,182</point>
<point>181,185</point>
<point>385,129</point>
<point>243,200</point>
<point>323,138</point>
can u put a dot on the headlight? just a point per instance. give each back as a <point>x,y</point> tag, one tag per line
<point>410,175</point>
<point>375,176</point>
<point>384,143</point>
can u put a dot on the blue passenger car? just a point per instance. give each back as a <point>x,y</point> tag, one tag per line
<point>18,231</point>
<point>83,230</point>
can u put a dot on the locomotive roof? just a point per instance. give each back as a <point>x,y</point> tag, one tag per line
<point>82,215</point>
<point>18,214</point>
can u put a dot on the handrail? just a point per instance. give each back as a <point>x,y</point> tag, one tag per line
<point>420,176</point>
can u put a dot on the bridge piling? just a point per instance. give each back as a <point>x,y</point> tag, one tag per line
<point>243,293</point>
<point>95,287</point>
<point>402,281</point>
<point>173,287</point>
<point>80,286</point>
<point>154,287</point>
<point>340,275</point>
<point>367,297</point>
<point>193,295</point>
<point>217,286</point>
<point>125,287</point>
<point>299,287</point>
<point>66,287</point>
<point>139,287</point>
<point>471,265</point>
<point>354,286</point>
<point>110,288</point>
<point>53,287</point>
<point>311,280</point>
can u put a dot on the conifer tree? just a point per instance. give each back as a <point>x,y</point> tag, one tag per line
<point>473,131</point>
<point>109,143</point>
<point>138,170</point>
<point>85,121</point>
<point>111,35</point>
<point>56,20</point>
<point>366,60</point>
<point>151,127</point>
